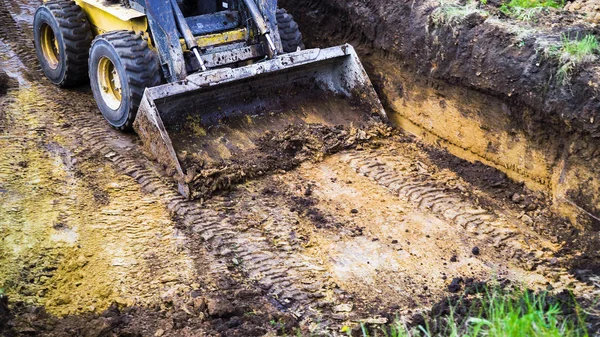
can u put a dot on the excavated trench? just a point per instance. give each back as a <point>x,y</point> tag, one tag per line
<point>479,85</point>
<point>96,240</point>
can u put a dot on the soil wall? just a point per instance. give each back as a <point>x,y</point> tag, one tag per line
<point>480,86</point>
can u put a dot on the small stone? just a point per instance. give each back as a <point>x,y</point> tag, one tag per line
<point>516,198</point>
<point>354,211</point>
<point>345,307</point>
<point>62,300</point>
<point>475,250</point>
<point>527,219</point>
<point>339,317</point>
<point>159,332</point>
<point>246,294</point>
<point>374,320</point>
<point>453,258</point>
<point>394,242</point>
<point>308,191</point>
<point>199,304</point>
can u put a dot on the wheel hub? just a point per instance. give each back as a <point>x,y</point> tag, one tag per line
<point>109,83</point>
<point>49,44</point>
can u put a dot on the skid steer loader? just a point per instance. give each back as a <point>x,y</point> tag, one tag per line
<point>207,77</point>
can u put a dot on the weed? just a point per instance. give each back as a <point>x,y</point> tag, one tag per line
<point>529,10</point>
<point>497,313</point>
<point>572,53</point>
<point>454,14</point>
<point>522,313</point>
<point>520,32</point>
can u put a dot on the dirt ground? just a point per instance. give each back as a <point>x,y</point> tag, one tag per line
<point>591,7</point>
<point>96,241</point>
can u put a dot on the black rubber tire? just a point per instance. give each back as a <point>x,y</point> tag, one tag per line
<point>291,38</point>
<point>137,67</point>
<point>74,37</point>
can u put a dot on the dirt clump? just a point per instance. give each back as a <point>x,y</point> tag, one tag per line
<point>281,151</point>
<point>220,307</point>
<point>216,316</point>
<point>455,285</point>
<point>6,82</point>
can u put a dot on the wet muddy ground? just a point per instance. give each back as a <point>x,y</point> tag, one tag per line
<point>96,240</point>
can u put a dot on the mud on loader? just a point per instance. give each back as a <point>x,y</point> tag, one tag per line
<point>204,77</point>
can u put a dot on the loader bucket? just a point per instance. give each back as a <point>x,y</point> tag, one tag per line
<point>217,115</point>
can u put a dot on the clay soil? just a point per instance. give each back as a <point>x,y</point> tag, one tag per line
<point>349,227</point>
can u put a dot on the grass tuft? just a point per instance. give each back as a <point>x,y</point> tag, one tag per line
<point>529,10</point>
<point>497,312</point>
<point>571,53</point>
<point>522,313</point>
<point>454,14</point>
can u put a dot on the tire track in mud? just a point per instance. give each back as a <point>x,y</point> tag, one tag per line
<point>218,233</point>
<point>75,118</point>
<point>446,198</point>
<point>14,37</point>
<point>59,227</point>
<point>250,232</point>
<point>416,185</point>
<point>244,234</point>
<point>223,226</point>
<point>298,287</point>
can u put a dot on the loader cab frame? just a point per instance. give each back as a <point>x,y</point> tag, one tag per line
<point>225,31</point>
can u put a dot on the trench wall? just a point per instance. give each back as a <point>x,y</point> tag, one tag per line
<point>478,86</point>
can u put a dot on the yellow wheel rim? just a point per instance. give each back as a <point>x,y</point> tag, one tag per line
<point>49,45</point>
<point>109,83</point>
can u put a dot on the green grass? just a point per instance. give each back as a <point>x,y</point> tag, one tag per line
<point>497,313</point>
<point>522,314</point>
<point>454,14</point>
<point>529,10</point>
<point>571,53</point>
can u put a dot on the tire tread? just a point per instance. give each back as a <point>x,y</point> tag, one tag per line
<point>77,37</point>
<point>291,38</point>
<point>140,64</point>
